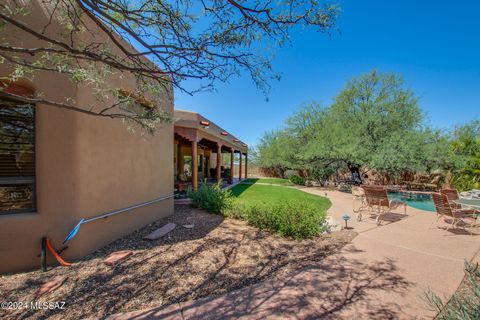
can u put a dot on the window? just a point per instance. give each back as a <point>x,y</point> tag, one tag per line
<point>17,157</point>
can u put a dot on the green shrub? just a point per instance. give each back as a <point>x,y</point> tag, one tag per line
<point>322,173</point>
<point>465,303</point>
<point>213,198</point>
<point>299,220</point>
<point>297,180</point>
<point>467,179</point>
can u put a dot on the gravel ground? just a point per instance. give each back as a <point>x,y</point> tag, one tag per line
<point>216,256</point>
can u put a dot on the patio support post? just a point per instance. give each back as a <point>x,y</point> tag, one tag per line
<point>246,165</point>
<point>179,159</point>
<point>240,167</point>
<point>208,166</point>
<point>230,178</point>
<point>194,166</point>
<point>219,161</point>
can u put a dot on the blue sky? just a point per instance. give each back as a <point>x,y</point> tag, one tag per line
<point>434,45</point>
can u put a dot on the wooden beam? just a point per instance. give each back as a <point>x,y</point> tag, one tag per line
<point>219,162</point>
<point>246,165</point>
<point>230,178</point>
<point>138,98</point>
<point>194,166</point>
<point>186,133</point>
<point>207,160</point>
<point>240,167</point>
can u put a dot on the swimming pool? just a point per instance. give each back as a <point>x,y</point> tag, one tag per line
<point>420,201</point>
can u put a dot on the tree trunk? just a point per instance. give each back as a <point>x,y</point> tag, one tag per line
<point>355,171</point>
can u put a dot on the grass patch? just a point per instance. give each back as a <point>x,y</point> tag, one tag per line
<point>262,194</point>
<point>276,181</point>
<point>287,211</point>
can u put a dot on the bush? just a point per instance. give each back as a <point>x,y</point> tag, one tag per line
<point>297,180</point>
<point>297,220</point>
<point>289,173</point>
<point>213,198</point>
<point>465,303</point>
<point>466,180</point>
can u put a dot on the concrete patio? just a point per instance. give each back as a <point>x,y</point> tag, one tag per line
<point>382,274</point>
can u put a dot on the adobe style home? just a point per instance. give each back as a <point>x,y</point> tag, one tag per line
<point>59,166</point>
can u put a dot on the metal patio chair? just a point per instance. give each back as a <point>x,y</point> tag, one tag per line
<point>448,213</point>
<point>377,202</point>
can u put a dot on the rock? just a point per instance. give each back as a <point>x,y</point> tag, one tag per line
<point>189,226</point>
<point>343,187</point>
<point>161,232</point>
<point>51,285</point>
<point>332,225</point>
<point>117,256</point>
<point>185,201</point>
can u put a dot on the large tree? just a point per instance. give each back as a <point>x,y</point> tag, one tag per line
<point>208,40</point>
<point>465,151</point>
<point>373,123</point>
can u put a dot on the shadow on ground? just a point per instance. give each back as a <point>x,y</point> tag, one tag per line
<point>322,291</point>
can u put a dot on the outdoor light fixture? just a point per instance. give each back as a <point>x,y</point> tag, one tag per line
<point>345,218</point>
<point>244,145</point>
<point>236,140</point>
<point>205,123</point>
<point>224,133</point>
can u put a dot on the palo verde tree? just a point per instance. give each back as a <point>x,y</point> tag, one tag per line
<point>91,40</point>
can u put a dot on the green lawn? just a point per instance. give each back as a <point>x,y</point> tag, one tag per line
<point>257,194</point>
<point>277,181</point>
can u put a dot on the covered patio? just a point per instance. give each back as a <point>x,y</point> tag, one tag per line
<point>203,151</point>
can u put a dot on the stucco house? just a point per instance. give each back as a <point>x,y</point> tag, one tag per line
<point>74,166</point>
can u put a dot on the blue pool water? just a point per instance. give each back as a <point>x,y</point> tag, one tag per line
<point>415,200</point>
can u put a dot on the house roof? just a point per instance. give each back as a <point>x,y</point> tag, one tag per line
<point>206,129</point>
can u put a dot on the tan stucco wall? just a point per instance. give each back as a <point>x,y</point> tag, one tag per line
<point>85,166</point>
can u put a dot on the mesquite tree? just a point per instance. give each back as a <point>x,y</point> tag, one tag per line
<point>162,43</point>
<point>374,123</point>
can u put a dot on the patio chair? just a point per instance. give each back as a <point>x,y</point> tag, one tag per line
<point>358,196</point>
<point>445,211</point>
<point>452,195</point>
<point>376,198</point>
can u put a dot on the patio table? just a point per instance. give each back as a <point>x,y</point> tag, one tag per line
<point>470,203</point>
<point>473,203</point>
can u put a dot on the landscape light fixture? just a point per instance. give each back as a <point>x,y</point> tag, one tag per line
<point>345,218</point>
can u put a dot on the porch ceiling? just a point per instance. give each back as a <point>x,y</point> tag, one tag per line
<point>195,127</point>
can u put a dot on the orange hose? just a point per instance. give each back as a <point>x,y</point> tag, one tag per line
<point>55,254</point>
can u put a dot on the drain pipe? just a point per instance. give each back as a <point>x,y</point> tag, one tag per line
<point>109,214</point>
